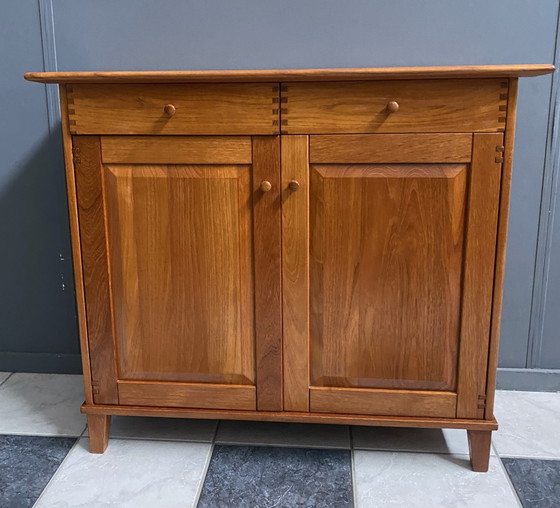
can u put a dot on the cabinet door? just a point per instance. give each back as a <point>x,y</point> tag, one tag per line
<point>176,296</point>
<point>388,259</point>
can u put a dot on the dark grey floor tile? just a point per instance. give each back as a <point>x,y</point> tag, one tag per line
<point>262,477</point>
<point>537,482</point>
<point>27,463</point>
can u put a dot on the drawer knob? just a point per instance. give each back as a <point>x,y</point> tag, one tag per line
<point>169,110</point>
<point>293,185</point>
<point>265,186</point>
<point>392,106</point>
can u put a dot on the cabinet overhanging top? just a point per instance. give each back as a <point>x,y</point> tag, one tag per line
<point>463,71</point>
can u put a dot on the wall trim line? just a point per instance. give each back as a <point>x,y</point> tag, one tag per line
<point>50,63</point>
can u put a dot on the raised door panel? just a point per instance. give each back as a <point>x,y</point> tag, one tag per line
<point>171,275</point>
<point>386,305</point>
<point>386,254</point>
<point>179,242</point>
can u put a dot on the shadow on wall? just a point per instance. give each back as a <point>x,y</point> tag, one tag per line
<point>38,327</point>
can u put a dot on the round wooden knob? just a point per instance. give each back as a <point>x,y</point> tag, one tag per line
<point>293,185</point>
<point>392,106</point>
<point>169,109</point>
<point>266,186</point>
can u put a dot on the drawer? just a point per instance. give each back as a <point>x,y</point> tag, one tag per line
<point>230,108</point>
<point>446,105</point>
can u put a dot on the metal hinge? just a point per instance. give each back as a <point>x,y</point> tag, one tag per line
<point>76,153</point>
<point>500,150</point>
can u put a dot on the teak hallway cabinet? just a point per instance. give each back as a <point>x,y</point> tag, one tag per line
<point>308,245</point>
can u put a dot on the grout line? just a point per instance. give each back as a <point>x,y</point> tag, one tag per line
<point>9,376</point>
<point>159,439</point>
<point>206,467</point>
<point>509,480</point>
<point>84,431</point>
<point>528,457</point>
<point>428,452</point>
<point>353,468</point>
<point>281,445</point>
<point>39,434</point>
<point>55,474</point>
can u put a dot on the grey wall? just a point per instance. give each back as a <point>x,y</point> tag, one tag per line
<point>37,311</point>
<point>37,315</point>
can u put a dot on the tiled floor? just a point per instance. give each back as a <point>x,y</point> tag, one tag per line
<point>44,459</point>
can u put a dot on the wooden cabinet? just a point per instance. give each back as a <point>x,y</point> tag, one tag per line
<point>321,246</point>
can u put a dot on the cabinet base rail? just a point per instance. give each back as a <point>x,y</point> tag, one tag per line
<point>293,417</point>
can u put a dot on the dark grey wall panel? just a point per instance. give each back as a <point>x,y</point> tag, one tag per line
<point>37,315</point>
<point>530,141</point>
<point>550,352</point>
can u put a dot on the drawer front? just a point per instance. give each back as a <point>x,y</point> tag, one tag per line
<point>469,105</point>
<point>232,108</point>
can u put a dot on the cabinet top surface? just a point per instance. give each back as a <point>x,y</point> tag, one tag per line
<point>376,73</point>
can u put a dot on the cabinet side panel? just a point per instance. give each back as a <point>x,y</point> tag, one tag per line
<point>268,275</point>
<point>501,248</point>
<point>480,250</point>
<point>76,248</point>
<point>95,270</point>
<point>295,272</point>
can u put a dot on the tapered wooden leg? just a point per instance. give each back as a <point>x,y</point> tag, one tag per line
<point>98,429</point>
<point>479,447</point>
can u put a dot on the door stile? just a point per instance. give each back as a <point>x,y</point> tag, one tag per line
<point>89,188</point>
<point>268,274</point>
<point>482,223</point>
<point>295,271</point>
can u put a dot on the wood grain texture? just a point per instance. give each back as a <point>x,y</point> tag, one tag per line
<point>180,250</point>
<point>385,270</point>
<point>89,186</point>
<point>176,149</point>
<point>454,71</point>
<point>480,251</point>
<point>288,416</point>
<point>245,108</point>
<point>390,148</point>
<point>191,395</point>
<point>479,449</point>
<point>76,246</point>
<point>501,247</point>
<point>267,217</point>
<point>99,427</point>
<point>382,402</point>
<point>425,106</point>
<point>295,272</point>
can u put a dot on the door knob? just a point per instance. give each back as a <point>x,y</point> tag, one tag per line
<point>265,186</point>
<point>293,185</point>
<point>392,106</point>
<point>169,109</point>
